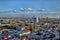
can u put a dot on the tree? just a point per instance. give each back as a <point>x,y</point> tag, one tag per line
<point>38,32</point>
<point>23,25</point>
<point>13,26</point>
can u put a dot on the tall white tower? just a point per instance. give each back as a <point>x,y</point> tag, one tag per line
<point>37,19</point>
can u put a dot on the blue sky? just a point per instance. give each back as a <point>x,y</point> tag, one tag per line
<point>49,5</point>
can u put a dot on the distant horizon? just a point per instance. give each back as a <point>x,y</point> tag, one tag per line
<point>10,8</point>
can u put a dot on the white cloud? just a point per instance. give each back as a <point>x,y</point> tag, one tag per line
<point>30,9</point>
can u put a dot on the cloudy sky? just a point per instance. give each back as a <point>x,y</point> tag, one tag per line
<point>49,5</point>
